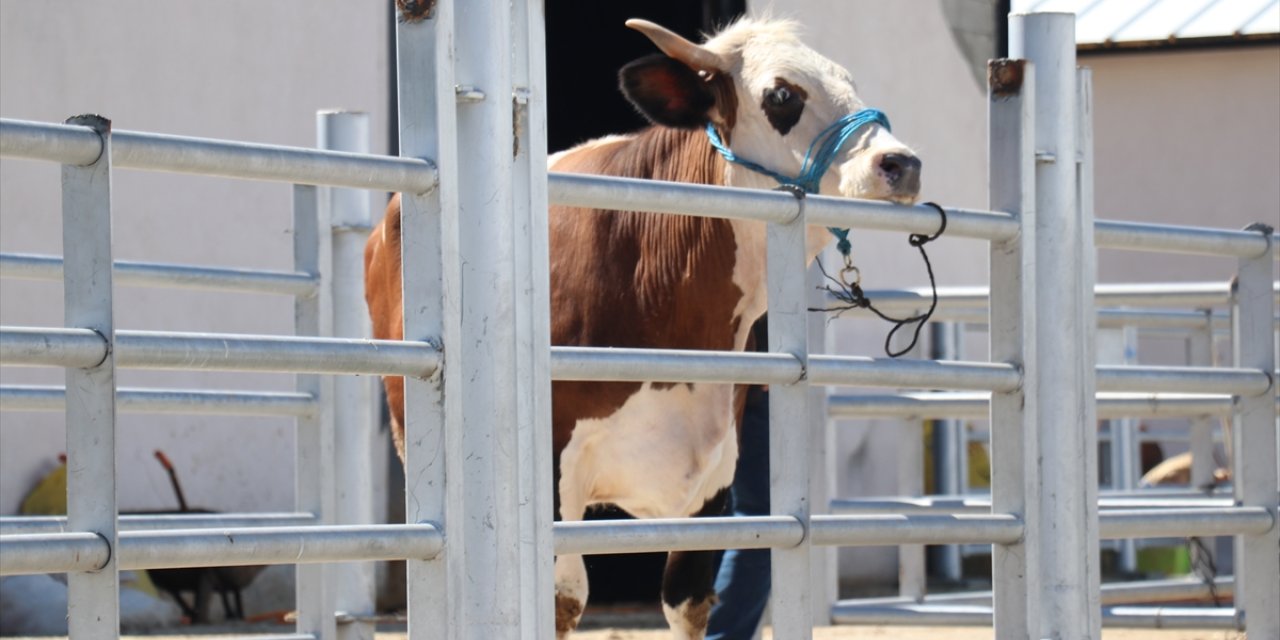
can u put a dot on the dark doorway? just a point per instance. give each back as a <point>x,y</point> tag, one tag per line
<point>587,43</point>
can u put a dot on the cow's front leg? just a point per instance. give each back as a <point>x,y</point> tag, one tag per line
<point>571,573</point>
<point>688,584</point>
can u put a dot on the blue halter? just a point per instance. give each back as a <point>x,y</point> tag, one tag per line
<point>817,160</point>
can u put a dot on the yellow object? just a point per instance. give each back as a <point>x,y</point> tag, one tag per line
<point>49,497</point>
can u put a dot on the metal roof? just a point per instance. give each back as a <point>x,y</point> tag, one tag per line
<point>1146,23</point>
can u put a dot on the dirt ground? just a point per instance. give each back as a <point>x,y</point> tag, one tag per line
<point>837,633</point>
<point>926,633</point>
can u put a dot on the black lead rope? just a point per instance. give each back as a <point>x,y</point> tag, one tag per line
<point>853,297</point>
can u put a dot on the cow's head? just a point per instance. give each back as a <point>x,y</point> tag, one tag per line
<point>768,96</point>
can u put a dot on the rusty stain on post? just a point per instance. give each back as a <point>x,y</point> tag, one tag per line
<point>1004,76</point>
<point>415,10</point>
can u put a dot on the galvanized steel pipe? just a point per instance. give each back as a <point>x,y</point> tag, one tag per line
<point>1208,521</point>
<point>899,529</point>
<point>956,615</point>
<point>670,365</point>
<point>1244,382</point>
<point>27,525</point>
<point>177,548</point>
<point>52,553</point>
<point>28,346</point>
<point>193,401</point>
<point>231,352</point>
<point>629,194</point>
<point>78,145</point>
<point>150,274</point>
<point>929,374</point>
<point>676,534</point>
<point>1140,236</point>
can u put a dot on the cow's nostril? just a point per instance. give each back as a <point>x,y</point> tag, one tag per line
<point>895,166</point>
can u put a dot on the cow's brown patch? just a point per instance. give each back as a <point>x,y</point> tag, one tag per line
<point>783,104</point>
<point>639,280</point>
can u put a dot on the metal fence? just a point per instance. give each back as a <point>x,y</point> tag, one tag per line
<point>479,540</point>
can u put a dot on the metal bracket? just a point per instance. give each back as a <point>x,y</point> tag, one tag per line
<point>468,93</point>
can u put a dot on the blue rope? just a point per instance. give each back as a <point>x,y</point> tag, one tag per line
<point>817,160</point>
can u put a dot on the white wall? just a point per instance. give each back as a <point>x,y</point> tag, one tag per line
<point>237,69</point>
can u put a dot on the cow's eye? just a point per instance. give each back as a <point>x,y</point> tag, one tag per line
<point>783,105</point>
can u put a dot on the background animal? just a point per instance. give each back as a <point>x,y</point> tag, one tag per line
<point>630,279</point>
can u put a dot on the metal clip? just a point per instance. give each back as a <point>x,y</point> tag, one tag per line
<point>468,93</point>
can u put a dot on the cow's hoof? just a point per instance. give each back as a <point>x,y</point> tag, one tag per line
<point>568,611</point>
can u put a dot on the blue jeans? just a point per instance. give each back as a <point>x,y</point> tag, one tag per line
<point>744,579</point>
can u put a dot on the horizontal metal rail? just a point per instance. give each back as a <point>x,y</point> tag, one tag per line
<point>52,553</point>
<point>1161,523</point>
<point>1134,592</point>
<point>185,401</point>
<point>217,352</point>
<point>947,505</point>
<point>1244,382</point>
<point>958,615</point>
<point>77,145</point>
<point>629,194</point>
<point>155,274</point>
<point>176,548</point>
<point>27,525</point>
<point>1145,236</point>
<point>898,529</point>
<point>931,374</point>
<point>684,534</point>
<point>975,405</point>
<point>669,365</point>
<point>666,365</point>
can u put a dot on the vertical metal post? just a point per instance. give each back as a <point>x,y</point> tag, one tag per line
<point>1255,462</point>
<point>1119,346</point>
<point>949,450</point>
<point>93,598</point>
<point>429,267</point>
<point>1200,354</point>
<point>313,437</point>
<point>1065,356</point>
<point>1014,439</point>
<point>824,560</point>
<point>912,565</point>
<point>1086,265</point>
<point>532,319</point>
<point>789,429</point>
<point>355,433</point>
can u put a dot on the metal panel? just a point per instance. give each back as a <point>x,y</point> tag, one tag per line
<point>25,525</point>
<point>93,598</point>
<point>1255,452</point>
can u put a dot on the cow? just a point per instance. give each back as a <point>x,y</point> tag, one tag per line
<point>642,280</point>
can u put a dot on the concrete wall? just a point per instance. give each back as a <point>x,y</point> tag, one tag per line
<point>239,69</point>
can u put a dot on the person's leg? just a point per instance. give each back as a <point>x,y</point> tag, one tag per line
<point>743,581</point>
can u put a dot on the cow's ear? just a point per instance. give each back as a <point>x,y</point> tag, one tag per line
<point>667,92</point>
